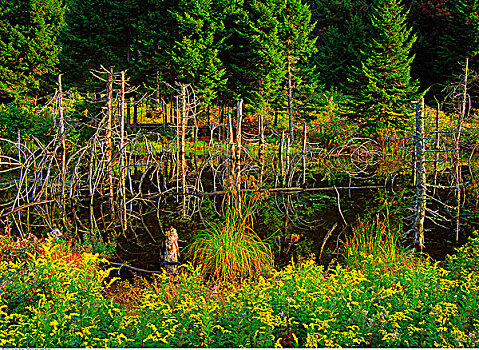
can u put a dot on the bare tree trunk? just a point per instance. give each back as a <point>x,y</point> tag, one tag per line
<point>109,98</point>
<point>239,119</point>
<point>290,101</point>
<point>62,135</point>
<point>305,140</point>
<point>437,145</point>
<point>420,208</point>
<point>281,168</point>
<point>183,159</point>
<point>288,155</point>
<point>458,154</point>
<point>164,115</point>
<point>261,150</point>
<point>178,137</point>
<point>123,151</point>
<point>208,116</point>
<point>231,144</point>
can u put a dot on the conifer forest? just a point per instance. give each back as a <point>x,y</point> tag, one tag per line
<point>239,173</point>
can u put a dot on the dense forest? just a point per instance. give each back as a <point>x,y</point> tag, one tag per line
<point>376,56</point>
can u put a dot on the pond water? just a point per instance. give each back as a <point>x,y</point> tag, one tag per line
<point>310,216</point>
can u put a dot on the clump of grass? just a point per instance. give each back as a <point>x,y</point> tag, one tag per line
<point>230,250</point>
<point>376,239</point>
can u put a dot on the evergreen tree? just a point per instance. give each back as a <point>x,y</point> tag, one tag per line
<point>255,61</point>
<point>295,28</point>
<point>385,89</point>
<point>460,40</point>
<point>195,54</point>
<point>28,43</point>
<point>342,29</point>
<point>268,48</point>
<point>98,32</point>
<point>156,34</point>
<point>430,20</point>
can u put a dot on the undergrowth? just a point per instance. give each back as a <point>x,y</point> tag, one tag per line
<point>54,296</point>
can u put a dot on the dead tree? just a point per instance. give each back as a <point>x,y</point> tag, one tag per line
<point>420,208</point>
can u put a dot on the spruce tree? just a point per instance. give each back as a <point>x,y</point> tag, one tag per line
<point>342,30</point>
<point>195,54</point>
<point>384,87</point>
<point>459,40</point>
<point>28,43</point>
<point>295,29</point>
<point>156,35</point>
<point>430,19</point>
<point>255,59</point>
<point>97,32</point>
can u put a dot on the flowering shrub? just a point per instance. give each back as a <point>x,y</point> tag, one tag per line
<point>301,305</point>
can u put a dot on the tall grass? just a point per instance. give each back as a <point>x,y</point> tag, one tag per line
<point>375,238</point>
<point>230,250</point>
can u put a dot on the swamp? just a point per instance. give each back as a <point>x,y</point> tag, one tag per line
<point>235,173</point>
<point>200,225</point>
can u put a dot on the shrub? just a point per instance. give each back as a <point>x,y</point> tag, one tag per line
<point>94,243</point>
<point>334,129</point>
<point>20,116</point>
<point>55,299</point>
<point>466,260</point>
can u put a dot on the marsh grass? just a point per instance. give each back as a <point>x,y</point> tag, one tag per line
<point>230,250</point>
<point>377,239</point>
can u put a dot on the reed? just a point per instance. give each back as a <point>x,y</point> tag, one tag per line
<point>375,239</point>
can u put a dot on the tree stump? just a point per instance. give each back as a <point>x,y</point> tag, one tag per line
<point>172,251</point>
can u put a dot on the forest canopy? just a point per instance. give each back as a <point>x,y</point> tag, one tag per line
<point>264,51</point>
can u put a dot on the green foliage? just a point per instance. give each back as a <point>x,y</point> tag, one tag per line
<point>459,40</point>
<point>17,249</point>
<point>20,116</point>
<point>383,90</point>
<point>265,36</point>
<point>28,43</point>
<point>342,31</point>
<point>94,243</point>
<point>56,299</point>
<point>156,35</point>
<point>334,129</point>
<point>465,262</point>
<point>97,32</point>
<point>256,66</point>
<point>295,28</point>
<point>374,242</point>
<point>195,55</point>
<point>430,19</point>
